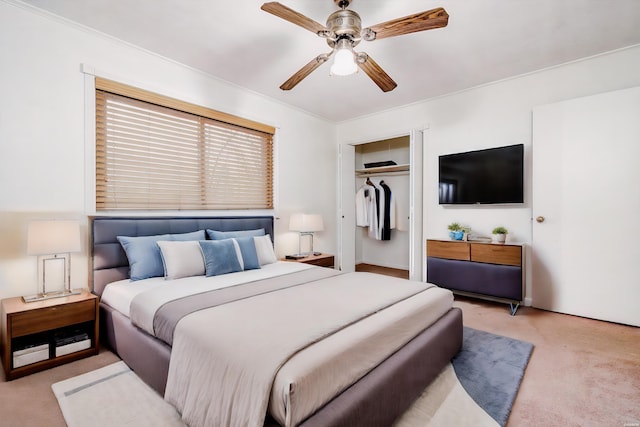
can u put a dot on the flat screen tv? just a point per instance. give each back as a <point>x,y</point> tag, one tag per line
<point>494,175</point>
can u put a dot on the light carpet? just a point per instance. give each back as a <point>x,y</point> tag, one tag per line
<point>477,389</point>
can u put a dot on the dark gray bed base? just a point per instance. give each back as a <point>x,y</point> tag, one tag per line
<point>376,400</point>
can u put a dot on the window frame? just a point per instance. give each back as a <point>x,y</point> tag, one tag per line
<point>224,119</point>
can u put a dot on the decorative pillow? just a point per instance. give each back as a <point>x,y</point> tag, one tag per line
<point>264,248</point>
<point>221,256</point>
<point>144,255</point>
<point>249,254</point>
<point>221,235</point>
<point>181,259</point>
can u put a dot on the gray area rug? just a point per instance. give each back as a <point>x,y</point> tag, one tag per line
<point>490,368</point>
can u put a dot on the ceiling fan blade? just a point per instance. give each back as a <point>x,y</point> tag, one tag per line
<point>376,73</point>
<point>429,20</point>
<point>305,71</point>
<point>282,11</point>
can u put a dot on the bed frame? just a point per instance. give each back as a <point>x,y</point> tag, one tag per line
<point>377,399</point>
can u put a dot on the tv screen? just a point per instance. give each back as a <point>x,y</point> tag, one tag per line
<point>494,175</point>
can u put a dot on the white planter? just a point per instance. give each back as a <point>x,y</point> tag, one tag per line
<point>499,238</point>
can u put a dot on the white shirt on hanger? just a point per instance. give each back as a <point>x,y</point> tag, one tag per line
<point>362,206</point>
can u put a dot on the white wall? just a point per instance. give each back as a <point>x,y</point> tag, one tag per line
<point>43,142</point>
<point>493,115</point>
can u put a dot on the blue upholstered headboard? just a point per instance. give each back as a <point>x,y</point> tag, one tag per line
<point>109,261</point>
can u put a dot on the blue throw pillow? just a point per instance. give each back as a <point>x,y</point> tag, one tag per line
<point>143,253</point>
<point>249,252</point>
<point>220,257</point>
<point>221,235</point>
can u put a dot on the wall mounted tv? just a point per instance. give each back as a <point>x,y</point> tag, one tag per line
<point>494,175</point>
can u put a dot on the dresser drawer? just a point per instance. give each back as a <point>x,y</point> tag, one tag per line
<point>448,250</point>
<point>47,318</point>
<point>497,254</point>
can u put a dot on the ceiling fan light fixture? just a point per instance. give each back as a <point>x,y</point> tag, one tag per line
<point>344,62</point>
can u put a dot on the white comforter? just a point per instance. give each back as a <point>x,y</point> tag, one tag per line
<point>311,377</point>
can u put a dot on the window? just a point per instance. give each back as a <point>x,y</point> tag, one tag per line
<point>154,152</point>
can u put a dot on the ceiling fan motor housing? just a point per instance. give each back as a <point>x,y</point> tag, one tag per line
<point>345,24</point>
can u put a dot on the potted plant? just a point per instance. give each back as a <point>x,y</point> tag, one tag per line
<point>456,231</point>
<point>500,234</point>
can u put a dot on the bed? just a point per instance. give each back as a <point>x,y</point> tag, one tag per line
<point>376,397</point>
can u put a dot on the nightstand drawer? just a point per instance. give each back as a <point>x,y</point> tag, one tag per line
<point>322,262</point>
<point>47,318</point>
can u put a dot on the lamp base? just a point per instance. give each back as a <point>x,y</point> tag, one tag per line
<point>50,295</point>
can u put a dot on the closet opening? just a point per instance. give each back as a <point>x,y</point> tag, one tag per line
<point>382,191</point>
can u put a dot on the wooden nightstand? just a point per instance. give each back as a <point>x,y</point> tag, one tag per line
<point>322,260</point>
<point>43,334</point>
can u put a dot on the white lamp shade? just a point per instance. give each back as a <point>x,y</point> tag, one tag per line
<point>343,63</point>
<point>305,223</point>
<point>53,237</point>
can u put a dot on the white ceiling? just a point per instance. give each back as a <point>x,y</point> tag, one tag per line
<point>485,41</point>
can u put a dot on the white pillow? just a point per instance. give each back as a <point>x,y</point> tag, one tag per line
<point>264,248</point>
<point>181,259</point>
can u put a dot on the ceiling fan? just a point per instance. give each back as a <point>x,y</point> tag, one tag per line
<point>344,31</point>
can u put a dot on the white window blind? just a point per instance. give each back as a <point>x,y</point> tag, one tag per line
<point>151,156</point>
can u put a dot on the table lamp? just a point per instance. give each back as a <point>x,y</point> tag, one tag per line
<point>53,241</point>
<point>305,225</point>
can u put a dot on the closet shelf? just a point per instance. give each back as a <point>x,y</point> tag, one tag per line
<point>382,170</point>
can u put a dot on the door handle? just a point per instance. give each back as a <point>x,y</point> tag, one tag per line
<point>540,219</point>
